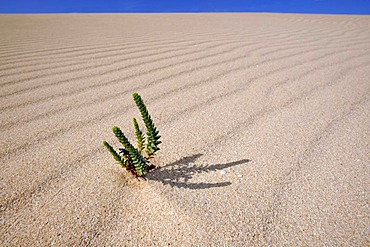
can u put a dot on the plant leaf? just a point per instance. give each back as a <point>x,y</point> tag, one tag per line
<point>137,159</point>
<point>139,136</point>
<point>152,132</point>
<point>116,156</point>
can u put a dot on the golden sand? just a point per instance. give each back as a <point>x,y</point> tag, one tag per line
<point>265,124</point>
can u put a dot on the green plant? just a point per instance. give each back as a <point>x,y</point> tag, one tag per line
<point>132,158</point>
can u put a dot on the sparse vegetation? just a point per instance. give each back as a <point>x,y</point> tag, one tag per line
<point>129,157</point>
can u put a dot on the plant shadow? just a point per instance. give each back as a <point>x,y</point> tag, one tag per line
<point>178,173</point>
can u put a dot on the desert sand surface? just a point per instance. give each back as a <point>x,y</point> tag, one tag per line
<point>264,118</point>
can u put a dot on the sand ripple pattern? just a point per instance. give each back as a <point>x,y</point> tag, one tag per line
<point>265,122</point>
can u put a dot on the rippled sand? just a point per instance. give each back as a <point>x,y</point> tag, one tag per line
<point>265,124</point>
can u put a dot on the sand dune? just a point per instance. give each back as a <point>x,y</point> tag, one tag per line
<point>265,124</point>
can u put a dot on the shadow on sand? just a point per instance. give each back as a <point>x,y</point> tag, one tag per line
<point>178,173</point>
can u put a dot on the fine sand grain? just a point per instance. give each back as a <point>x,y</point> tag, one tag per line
<point>265,124</point>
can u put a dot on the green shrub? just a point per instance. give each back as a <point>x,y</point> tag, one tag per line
<point>132,158</point>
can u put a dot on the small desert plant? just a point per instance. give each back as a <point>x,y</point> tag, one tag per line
<point>132,158</point>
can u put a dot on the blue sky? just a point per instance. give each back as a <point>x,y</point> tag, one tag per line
<point>134,6</point>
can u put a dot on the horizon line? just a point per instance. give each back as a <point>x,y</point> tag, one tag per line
<point>192,12</point>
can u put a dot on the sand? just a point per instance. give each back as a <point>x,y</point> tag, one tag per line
<point>264,118</point>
